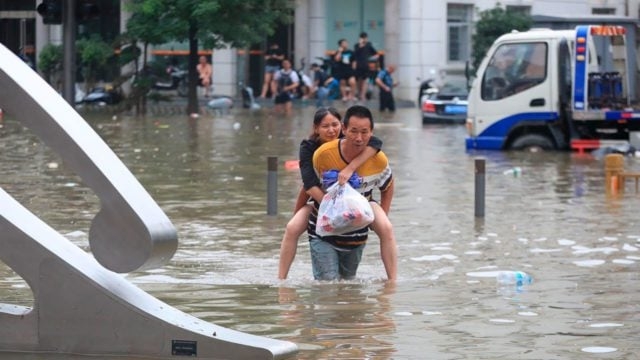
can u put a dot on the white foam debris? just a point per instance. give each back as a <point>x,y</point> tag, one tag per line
<point>403,313</point>
<point>566,242</point>
<point>579,250</point>
<point>609,238</point>
<point>431,312</point>
<point>589,263</point>
<point>605,325</point>
<point>598,349</point>
<point>434,257</point>
<point>483,274</point>
<point>623,261</point>
<point>527,313</point>
<point>539,250</point>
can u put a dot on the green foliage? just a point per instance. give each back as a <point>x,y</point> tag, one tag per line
<point>93,56</point>
<point>212,24</point>
<point>50,60</point>
<point>238,23</point>
<point>492,24</point>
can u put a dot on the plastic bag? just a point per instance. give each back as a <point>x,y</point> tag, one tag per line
<point>342,210</point>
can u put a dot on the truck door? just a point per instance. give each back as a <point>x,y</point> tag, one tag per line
<point>515,88</point>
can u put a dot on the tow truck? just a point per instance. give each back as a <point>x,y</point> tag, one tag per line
<point>546,89</point>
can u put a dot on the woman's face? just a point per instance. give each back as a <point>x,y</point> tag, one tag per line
<point>328,129</point>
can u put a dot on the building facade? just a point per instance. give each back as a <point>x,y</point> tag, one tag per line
<point>425,39</point>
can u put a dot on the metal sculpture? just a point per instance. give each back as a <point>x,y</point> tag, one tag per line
<point>81,304</point>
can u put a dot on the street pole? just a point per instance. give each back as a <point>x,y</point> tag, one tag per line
<point>69,51</point>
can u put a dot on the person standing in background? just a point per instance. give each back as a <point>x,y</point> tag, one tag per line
<point>286,82</point>
<point>273,59</point>
<point>205,71</point>
<point>364,53</point>
<point>384,80</point>
<point>344,70</point>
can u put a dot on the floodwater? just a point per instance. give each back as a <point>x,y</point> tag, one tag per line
<point>554,221</point>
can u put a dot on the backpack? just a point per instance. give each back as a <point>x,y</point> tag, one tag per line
<point>284,80</point>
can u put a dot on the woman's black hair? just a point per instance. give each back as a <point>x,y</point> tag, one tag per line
<point>319,115</point>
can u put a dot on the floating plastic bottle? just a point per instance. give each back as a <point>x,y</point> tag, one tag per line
<point>515,171</point>
<point>517,278</point>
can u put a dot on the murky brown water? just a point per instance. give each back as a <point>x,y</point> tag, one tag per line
<point>554,221</point>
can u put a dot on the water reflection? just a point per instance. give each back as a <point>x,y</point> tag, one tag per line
<point>553,221</point>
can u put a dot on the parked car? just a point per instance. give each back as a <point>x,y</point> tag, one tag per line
<point>446,106</point>
<point>103,95</point>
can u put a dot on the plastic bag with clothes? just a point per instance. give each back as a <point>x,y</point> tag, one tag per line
<point>342,210</point>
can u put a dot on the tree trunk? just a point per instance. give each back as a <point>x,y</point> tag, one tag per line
<point>143,98</point>
<point>192,106</point>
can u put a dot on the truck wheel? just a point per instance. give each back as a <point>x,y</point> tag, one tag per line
<point>532,143</point>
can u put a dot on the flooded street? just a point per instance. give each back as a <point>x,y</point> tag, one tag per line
<point>554,221</point>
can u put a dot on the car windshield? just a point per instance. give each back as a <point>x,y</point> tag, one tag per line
<point>457,88</point>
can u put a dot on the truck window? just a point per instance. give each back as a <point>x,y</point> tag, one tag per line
<point>514,68</point>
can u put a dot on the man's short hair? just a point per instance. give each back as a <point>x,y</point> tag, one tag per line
<point>363,35</point>
<point>358,111</point>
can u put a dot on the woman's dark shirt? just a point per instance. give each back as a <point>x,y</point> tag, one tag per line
<point>307,148</point>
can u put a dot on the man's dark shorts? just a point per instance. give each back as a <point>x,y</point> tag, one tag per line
<point>282,98</point>
<point>363,73</point>
<point>344,74</point>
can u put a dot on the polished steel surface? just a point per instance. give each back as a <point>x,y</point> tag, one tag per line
<point>130,231</point>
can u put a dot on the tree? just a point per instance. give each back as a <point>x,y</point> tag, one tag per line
<point>213,23</point>
<point>493,23</point>
<point>50,62</point>
<point>93,55</point>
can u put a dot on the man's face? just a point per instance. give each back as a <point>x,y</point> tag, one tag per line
<point>358,133</point>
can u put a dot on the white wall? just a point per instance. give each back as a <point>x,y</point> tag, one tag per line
<point>225,75</point>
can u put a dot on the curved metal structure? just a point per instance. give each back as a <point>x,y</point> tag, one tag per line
<point>82,306</point>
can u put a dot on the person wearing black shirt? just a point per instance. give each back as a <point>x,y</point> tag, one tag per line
<point>343,70</point>
<point>364,54</point>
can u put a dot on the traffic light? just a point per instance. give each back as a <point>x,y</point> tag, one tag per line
<point>87,10</point>
<point>51,11</point>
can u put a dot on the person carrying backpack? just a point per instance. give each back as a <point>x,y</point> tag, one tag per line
<point>286,82</point>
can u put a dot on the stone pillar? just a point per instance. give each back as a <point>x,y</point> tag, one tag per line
<point>392,44</point>
<point>224,62</point>
<point>317,23</point>
<point>301,31</point>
